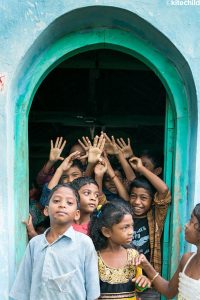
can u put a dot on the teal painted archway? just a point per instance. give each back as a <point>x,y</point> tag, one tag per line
<point>35,68</point>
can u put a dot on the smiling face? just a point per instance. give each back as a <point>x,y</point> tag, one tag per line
<point>192,233</point>
<point>121,233</point>
<point>62,208</point>
<point>89,197</point>
<point>140,200</point>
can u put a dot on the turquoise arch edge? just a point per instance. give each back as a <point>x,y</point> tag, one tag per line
<point>77,42</point>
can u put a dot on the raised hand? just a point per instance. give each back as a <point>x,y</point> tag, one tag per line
<point>95,150</point>
<point>111,146</point>
<point>68,161</point>
<point>100,168</point>
<point>136,163</point>
<point>125,148</point>
<point>56,150</point>
<point>85,144</point>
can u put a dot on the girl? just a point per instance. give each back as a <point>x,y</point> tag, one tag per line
<point>111,227</point>
<point>186,280</point>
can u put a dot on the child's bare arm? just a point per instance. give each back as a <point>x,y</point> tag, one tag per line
<point>157,182</point>
<point>122,192</point>
<point>168,288</point>
<point>115,149</point>
<point>66,164</point>
<point>99,171</point>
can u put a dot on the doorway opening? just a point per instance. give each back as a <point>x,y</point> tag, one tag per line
<point>97,90</point>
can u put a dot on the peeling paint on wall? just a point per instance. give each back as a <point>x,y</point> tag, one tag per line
<point>2,82</point>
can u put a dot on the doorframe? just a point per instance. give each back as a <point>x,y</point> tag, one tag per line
<point>66,47</point>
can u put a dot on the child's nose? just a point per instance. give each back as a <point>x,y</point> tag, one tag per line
<point>137,199</point>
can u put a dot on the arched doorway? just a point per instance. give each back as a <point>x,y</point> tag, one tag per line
<point>124,41</point>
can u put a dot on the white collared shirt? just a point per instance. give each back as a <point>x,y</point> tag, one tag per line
<point>67,269</point>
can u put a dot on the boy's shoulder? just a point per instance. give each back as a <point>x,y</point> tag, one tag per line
<point>82,238</point>
<point>37,239</point>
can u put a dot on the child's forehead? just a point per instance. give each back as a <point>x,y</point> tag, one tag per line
<point>72,170</point>
<point>139,190</point>
<point>64,190</point>
<point>90,186</point>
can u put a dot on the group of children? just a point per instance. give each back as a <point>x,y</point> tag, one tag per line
<point>106,210</point>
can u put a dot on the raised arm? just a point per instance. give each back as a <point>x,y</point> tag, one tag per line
<point>54,156</point>
<point>122,192</point>
<point>65,165</point>
<point>115,150</point>
<point>94,153</point>
<point>157,182</point>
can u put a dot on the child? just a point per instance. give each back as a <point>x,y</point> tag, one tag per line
<point>70,169</point>
<point>149,210</point>
<point>89,197</point>
<point>61,263</point>
<point>186,280</point>
<point>152,161</point>
<point>110,228</point>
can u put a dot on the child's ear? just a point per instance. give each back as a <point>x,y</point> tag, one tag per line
<point>46,211</point>
<point>158,171</point>
<point>105,231</point>
<point>77,215</point>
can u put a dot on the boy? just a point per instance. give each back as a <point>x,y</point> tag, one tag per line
<point>61,263</point>
<point>70,169</point>
<point>149,197</point>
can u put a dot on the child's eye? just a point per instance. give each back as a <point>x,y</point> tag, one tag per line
<point>56,200</point>
<point>69,203</point>
<point>96,195</point>
<point>144,198</point>
<point>86,193</point>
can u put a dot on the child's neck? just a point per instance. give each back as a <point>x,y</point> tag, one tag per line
<point>56,231</point>
<point>112,247</point>
<point>84,218</point>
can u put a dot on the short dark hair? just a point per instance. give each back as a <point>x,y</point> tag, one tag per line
<point>156,158</point>
<point>107,216</point>
<point>66,185</point>
<point>81,181</point>
<point>196,213</point>
<point>142,182</point>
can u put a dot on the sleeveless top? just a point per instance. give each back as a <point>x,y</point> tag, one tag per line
<point>189,288</point>
<point>116,283</point>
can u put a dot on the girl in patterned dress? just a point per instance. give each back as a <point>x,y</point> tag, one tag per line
<point>186,280</point>
<point>111,228</point>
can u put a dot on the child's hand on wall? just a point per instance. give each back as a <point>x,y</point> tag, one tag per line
<point>29,227</point>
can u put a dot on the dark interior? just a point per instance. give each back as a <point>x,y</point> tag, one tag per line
<point>93,91</point>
